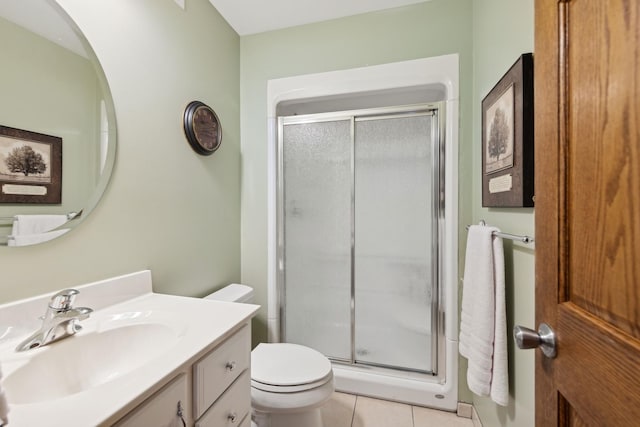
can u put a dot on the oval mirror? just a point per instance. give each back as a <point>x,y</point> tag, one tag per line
<point>57,124</point>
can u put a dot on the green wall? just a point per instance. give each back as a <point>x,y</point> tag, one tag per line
<point>502,30</point>
<point>418,31</point>
<point>166,208</point>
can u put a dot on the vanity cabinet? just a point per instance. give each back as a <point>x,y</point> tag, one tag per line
<point>164,409</point>
<point>216,387</point>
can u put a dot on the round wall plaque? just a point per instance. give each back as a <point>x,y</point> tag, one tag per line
<point>202,128</point>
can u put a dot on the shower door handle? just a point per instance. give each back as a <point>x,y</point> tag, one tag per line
<point>545,338</point>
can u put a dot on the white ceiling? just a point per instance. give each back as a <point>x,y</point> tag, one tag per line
<point>256,16</point>
<point>245,16</point>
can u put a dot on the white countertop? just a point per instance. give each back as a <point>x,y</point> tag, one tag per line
<point>199,324</point>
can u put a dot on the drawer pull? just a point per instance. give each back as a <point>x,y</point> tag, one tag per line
<point>231,366</point>
<point>233,417</point>
<point>180,414</point>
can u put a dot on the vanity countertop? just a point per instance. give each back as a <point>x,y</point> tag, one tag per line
<point>192,326</point>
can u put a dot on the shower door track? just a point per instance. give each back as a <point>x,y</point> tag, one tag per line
<point>360,363</point>
<point>437,137</point>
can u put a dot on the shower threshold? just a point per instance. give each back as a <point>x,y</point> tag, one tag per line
<point>400,385</point>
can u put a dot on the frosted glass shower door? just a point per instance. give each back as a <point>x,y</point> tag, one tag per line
<point>316,242</point>
<point>395,227</point>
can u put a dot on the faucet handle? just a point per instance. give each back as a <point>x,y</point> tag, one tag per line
<point>63,300</point>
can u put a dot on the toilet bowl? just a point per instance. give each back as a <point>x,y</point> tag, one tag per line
<point>289,382</point>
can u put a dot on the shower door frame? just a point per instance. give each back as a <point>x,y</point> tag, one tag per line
<point>438,150</point>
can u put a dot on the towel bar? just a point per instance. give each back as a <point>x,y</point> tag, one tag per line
<point>523,239</point>
<point>70,216</point>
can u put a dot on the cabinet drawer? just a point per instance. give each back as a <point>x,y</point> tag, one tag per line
<point>232,407</point>
<point>216,371</point>
<point>161,409</point>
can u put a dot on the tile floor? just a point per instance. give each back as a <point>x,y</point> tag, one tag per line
<point>347,410</point>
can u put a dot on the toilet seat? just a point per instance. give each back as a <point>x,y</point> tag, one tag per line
<point>294,402</point>
<point>290,389</point>
<point>288,368</point>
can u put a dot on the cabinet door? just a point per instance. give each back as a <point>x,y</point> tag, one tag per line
<point>161,409</point>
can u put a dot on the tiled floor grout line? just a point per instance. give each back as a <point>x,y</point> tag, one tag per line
<point>353,413</point>
<point>413,417</point>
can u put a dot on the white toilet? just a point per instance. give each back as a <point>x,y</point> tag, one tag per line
<point>289,382</point>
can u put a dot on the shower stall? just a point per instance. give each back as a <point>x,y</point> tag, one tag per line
<point>363,243</point>
<point>359,220</point>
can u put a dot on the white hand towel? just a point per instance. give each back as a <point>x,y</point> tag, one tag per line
<point>4,405</point>
<point>36,224</point>
<point>483,329</point>
<point>32,239</point>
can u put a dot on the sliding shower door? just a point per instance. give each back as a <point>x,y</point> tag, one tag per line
<point>394,235</point>
<point>316,211</point>
<point>358,235</point>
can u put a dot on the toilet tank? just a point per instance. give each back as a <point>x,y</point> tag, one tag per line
<point>233,293</point>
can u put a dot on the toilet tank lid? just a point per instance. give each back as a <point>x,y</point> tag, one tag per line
<point>234,292</point>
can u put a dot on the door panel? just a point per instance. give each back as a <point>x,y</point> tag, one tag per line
<point>604,207</point>
<point>316,160</point>
<point>575,420</point>
<point>587,86</point>
<point>394,231</point>
<point>598,369</point>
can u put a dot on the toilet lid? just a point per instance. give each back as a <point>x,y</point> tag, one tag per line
<point>285,364</point>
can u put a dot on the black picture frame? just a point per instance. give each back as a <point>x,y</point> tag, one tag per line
<point>508,139</point>
<point>37,181</point>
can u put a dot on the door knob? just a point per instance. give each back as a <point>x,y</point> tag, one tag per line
<point>545,338</point>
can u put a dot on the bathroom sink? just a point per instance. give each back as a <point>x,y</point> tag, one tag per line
<point>93,357</point>
<point>134,343</point>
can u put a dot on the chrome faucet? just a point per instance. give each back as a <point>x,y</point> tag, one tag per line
<point>59,321</point>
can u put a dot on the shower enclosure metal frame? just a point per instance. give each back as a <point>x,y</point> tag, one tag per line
<point>437,155</point>
<point>415,81</point>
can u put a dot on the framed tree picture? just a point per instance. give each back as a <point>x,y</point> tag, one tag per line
<point>507,139</point>
<point>30,167</point>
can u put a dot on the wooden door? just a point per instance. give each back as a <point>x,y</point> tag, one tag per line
<point>587,101</point>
